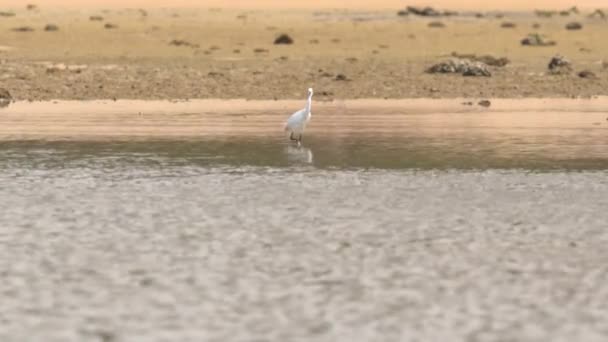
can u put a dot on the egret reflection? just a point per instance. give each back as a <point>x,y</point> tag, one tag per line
<point>299,154</point>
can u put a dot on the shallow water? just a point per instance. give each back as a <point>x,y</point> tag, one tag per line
<point>419,233</point>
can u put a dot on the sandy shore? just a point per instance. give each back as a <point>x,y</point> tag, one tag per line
<point>196,119</point>
<point>229,53</point>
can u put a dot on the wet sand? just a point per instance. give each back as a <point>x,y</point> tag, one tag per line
<point>124,120</point>
<point>378,54</point>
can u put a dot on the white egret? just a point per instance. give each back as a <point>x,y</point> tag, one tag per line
<point>298,120</point>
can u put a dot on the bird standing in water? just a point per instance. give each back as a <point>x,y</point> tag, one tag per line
<point>298,120</point>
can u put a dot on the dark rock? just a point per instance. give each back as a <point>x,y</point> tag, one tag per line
<point>341,77</point>
<point>96,18</point>
<point>508,24</point>
<point>423,11</point>
<point>31,7</point>
<point>461,66</point>
<point>559,65</point>
<point>403,13</point>
<point>469,103</point>
<point>51,28</point>
<point>7,14</point>
<point>535,39</point>
<point>536,25</point>
<point>485,103</point>
<point>260,50</point>
<point>437,24</point>
<point>283,39</point>
<point>110,26</point>
<point>587,74</point>
<point>5,95</point>
<point>236,51</point>
<point>22,29</point>
<point>336,40</point>
<point>180,42</point>
<point>574,26</point>
<point>544,14</point>
<point>351,59</point>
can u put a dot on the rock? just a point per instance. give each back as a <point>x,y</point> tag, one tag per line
<point>110,26</point>
<point>598,13</point>
<point>5,95</point>
<point>536,25</point>
<point>535,39</point>
<point>96,18</point>
<point>31,7</point>
<point>403,13</point>
<point>180,42</point>
<point>7,14</point>
<point>485,103</point>
<point>587,74</point>
<point>22,29</point>
<point>559,65</point>
<point>437,24</point>
<point>486,59</point>
<point>544,14</point>
<point>283,39</point>
<point>508,24</point>
<point>260,50</point>
<point>313,41</point>
<point>574,26</point>
<point>341,77</point>
<point>462,66</point>
<point>351,59</point>
<point>423,11</point>
<point>51,28</point>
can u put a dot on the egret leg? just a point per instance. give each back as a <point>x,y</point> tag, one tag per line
<point>292,138</point>
<point>300,138</point>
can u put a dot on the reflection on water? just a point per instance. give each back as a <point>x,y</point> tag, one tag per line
<point>446,151</point>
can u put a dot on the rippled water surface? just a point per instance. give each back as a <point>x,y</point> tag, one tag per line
<point>453,235</point>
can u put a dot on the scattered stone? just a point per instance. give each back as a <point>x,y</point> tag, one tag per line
<point>485,59</point>
<point>598,13</point>
<point>383,46</point>
<point>110,26</point>
<point>351,59</point>
<point>544,14</point>
<point>403,13</point>
<point>461,66</point>
<point>314,41</point>
<point>436,24</point>
<point>60,67</point>
<point>180,42</point>
<point>215,74</point>
<point>479,15</point>
<point>336,40</point>
<point>7,14</point>
<point>559,65</point>
<point>51,28</point>
<point>96,18</point>
<point>535,39</point>
<point>536,25</point>
<point>469,103</point>
<point>236,51</point>
<point>485,103</point>
<point>341,77</point>
<point>5,95</point>
<point>283,39</point>
<point>31,7</point>
<point>574,26</point>
<point>423,11</point>
<point>508,24</point>
<point>22,29</point>
<point>260,50</point>
<point>587,74</point>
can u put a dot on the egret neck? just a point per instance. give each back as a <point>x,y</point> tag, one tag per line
<point>309,104</point>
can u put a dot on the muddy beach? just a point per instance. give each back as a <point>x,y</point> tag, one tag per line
<point>156,53</point>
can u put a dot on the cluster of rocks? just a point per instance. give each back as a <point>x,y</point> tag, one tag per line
<point>181,42</point>
<point>465,67</point>
<point>559,65</point>
<point>425,12</point>
<point>535,39</point>
<point>486,59</point>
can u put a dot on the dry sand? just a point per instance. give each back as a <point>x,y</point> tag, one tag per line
<point>379,54</point>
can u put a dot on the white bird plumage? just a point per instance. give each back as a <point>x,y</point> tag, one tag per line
<point>296,124</point>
